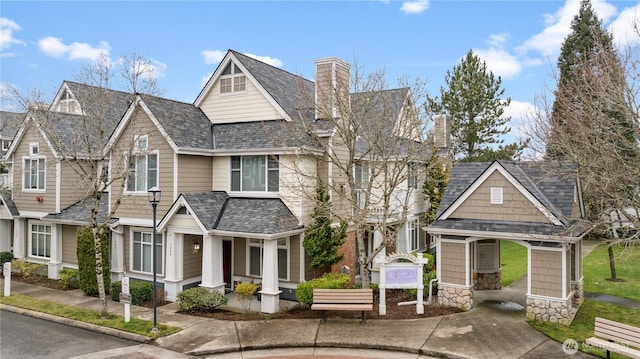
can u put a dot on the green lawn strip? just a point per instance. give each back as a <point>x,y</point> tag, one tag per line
<point>596,271</point>
<point>583,323</point>
<point>514,262</point>
<point>137,326</point>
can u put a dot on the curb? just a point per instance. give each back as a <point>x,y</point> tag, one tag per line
<point>74,323</point>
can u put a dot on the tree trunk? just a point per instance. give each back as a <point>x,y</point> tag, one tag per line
<point>99,277</point>
<point>612,262</point>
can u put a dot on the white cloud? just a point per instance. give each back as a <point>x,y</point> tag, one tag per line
<point>414,7</point>
<point>622,28</point>
<point>7,27</point>
<point>212,56</point>
<point>54,47</point>
<point>499,60</point>
<point>266,59</point>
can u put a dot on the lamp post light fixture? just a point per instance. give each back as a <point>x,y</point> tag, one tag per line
<point>154,199</point>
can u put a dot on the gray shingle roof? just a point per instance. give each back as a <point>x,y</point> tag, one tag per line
<point>5,197</point>
<point>572,229</point>
<point>258,135</point>
<point>10,123</point>
<point>216,210</point>
<point>186,124</point>
<point>80,212</point>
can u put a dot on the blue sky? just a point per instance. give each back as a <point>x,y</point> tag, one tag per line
<point>44,43</point>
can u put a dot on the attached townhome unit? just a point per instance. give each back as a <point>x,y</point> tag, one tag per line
<point>9,124</point>
<point>234,169</point>
<point>535,204</point>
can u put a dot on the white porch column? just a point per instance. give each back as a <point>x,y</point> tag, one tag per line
<point>375,272</point>
<point>270,290</point>
<point>117,254</point>
<point>19,228</point>
<point>212,263</point>
<point>174,265</point>
<point>55,260</point>
<point>5,235</point>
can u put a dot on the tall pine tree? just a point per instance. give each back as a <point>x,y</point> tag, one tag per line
<point>473,101</point>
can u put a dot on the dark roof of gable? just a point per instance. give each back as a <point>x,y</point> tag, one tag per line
<point>293,93</point>
<point>571,229</point>
<point>186,124</point>
<point>258,135</point>
<point>66,134</point>
<point>80,212</point>
<point>10,123</point>
<point>216,210</point>
<point>551,183</point>
<point>5,197</point>
<point>380,109</point>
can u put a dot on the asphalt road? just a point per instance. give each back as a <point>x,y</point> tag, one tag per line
<point>22,336</point>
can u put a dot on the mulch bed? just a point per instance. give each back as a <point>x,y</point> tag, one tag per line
<point>394,311</point>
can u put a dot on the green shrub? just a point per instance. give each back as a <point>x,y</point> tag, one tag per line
<point>25,269</point>
<point>87,261</point>
<point>426,278</point>
<point>141,291</point>
<point>5,257</point>
<point>70,278</point>
<point>245,292</point>
<point>304,291</point>
<point>431,262</point>
<point>200,299</point>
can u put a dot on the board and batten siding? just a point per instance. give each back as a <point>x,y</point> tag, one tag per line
<point>245,106</point>
<point>194,173</point>
<point>136,205</point>
<point>452,263</point>
<point>515,206</point>
<point>546,273</point>
<point>69,244</point>
<point>192,261</point>
<point>26,200</point>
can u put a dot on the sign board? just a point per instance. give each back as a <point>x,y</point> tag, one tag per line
<point>399,271</point>
<point>125,298</point>
<point>125,285</point>
<point>402,275</point>
<point>6,269</point>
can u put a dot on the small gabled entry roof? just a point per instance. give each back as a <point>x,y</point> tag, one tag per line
<point>7,202</point>
<point>79,213</point>
<point>217,213</point>
<point>551,187</point>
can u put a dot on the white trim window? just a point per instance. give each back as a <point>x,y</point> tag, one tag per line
<point>40,240</point>
<point>232,80</point>
<point>34,170</point>
<point>143,168</point>
<point>255,173</point>
<point>413,229</point>
<point>142,252</point>
<point>361,174</point>
<point>255,257</point>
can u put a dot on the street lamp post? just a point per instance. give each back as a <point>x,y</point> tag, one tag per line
<point>154,199</point>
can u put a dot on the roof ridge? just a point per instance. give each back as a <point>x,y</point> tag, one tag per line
<point>272,66</point>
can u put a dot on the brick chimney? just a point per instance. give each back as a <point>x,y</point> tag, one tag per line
<point>332,87</point>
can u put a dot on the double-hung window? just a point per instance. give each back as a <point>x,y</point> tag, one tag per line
<point>414,235</point>
<point>255,173</point>
<point>143,169</point>
<point>40,240</point>
<point>142,252</point>
<point>34,169</point>
<point>232,79</point>
<point>255,254</point>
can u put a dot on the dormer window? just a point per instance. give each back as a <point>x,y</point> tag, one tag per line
<point>232,79</point>
<point>68,104</point>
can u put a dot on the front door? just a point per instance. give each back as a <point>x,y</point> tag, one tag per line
<point>226,262</point>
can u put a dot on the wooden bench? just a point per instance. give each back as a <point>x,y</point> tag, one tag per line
<point>342,299</point>
<point>616,337</point>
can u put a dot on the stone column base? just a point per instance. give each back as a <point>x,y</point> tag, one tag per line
<point>550,310</point>
<point>487,280</point>
<point>578,293</point>
<point>455,297</point>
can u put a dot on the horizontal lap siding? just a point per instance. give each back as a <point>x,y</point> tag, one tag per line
<point>69,244</point>
<point>294,259</point>
<point>452,263</point>
<point>192,260</point>
<point>298,184</point>
<point>73,187</point>
<point>194,173</point>
<point>239,256</point>
<point>246,106</point>
<point>221,171</point>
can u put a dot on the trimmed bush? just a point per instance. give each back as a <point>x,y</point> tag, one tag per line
<point>304,291</point>
<point>87,261</point>
<point>141,291</point>
<point>25,269</point>
<point>246,292</point>
<point>70,278</point>
<point>5,257</point>
<point>200,299</point>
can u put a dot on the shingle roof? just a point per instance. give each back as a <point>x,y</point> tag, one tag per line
<point>551,183</point>
<point>80,212</point>
<point>216,210</point>
<point>10,123</point>
<point>258,135</point>
<point>5,197</point>
<point>186,124</point>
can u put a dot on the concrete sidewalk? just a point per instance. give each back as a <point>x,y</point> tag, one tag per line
<point>494,329</point>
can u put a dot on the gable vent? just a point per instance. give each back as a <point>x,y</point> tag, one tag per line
<point>496,195</point>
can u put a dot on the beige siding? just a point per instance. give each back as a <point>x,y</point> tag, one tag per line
<point>72,185</point>
<point>546,273</point>
<point>239,256</point>
<point>192,266</point>
<point>298,179</point>
<point>341,200</point>
<point>26,201</point>
<point>137,205</point>
<point>238,107</point>
<point>69,244</point>
<point>221,172</point>
<point>452,263</point>
<point>194,173</point>
<point>515,206</point>
<point>294,259</point>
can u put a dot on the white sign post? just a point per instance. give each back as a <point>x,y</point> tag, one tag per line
<point>6,271</point>
<point>125,297</point>
<point>401,275</point>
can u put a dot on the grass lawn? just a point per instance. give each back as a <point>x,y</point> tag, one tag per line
<point>582,326</point>
<point>137,326</point>
<point>514,262</point>
<point>596,271</point>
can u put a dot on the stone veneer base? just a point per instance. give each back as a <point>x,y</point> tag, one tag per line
<point>455,297</point>
<point>487,280</point>
<point>550,310</point>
